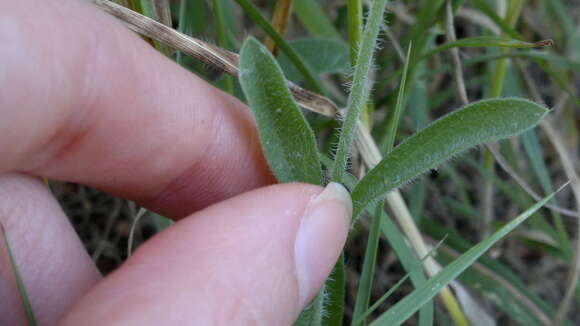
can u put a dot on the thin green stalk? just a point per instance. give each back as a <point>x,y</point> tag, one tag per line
<point>355,29</point>
<point>24,299</point>
<point>181,28</point>
<point>315,20</point>
<point>280,19</point>
<point>136,5</point>
<point>513,14</point>
<point>399,104</point>
<point>298,61</point>
<point>360,87</point>
<point>496,89</point>
<point>222,40</point>
<point>363,293</point>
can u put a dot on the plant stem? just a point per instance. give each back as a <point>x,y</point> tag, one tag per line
<point>280,19</point>
<point>391,135</point>
<point>355,29</point>
<point>222,40</point>
<point>360,87</point>
<point>496,89</point>
<point>300,64</point>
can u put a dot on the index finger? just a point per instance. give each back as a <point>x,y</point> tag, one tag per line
<point>85,100</point>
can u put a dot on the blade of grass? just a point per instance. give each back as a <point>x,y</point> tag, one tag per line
<point>495,280</point>
<point>411,303</point>
<point>410,263</point>
<point>401,99</point>
<point>314,19</point>
<point>222,39</point>
<point>360,88</point>
<point>570,170</point>
<point>24,298</point>
<point>536,160</point>
<point>496,90</point>
<point>280,19</point>
<point>325,56</point>
<point>415,268</point>
<point>300,64</point>
<point>365,285</point>
<point>488,41</point>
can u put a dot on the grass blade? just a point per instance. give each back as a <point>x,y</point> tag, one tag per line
<point>325,56</point>
<point>314,19</point>
<point>222,39</point>
<point>300,64</point>
<point>411,303</point>
<point>288,141</point>
<point>488,41</point>
<point>394,123</point>
<point>365,285</point>
<point>360,87</point>
<point>30,318</point>
<point>477,123</point>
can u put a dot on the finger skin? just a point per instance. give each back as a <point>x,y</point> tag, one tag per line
<point>85,100</point>
<point>230,264</point>
<point>53,263</point>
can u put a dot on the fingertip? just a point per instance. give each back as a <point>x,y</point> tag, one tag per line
<point>320,239</point>
<point>256,258</point>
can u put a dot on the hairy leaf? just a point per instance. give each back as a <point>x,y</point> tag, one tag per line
<point>477,123</point>
<point>287,139</point>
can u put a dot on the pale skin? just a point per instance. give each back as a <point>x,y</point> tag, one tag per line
<point>83,99</point>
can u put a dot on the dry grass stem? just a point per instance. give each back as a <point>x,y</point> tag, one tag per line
<point>457,68</point>
<point>212,55</point>
<point>570,170</point>
<point>538,313</point>
<point>282,13</point>
<point>161,11</point>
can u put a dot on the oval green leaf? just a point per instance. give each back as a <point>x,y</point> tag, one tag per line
<point>477,123</point>
<point>286,137</point>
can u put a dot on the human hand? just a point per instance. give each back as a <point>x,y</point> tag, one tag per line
<point>84,100</point>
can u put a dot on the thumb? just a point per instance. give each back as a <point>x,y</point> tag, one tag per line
<point>258,258</point>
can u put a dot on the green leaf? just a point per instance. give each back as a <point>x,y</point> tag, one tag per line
<point>365,284</point>
<point>410,263</point>
<point>254,13</point>
<point>325,56</point>
<point>314,19</point>
<point>400,104</point>
<point>493,280</point>
<point>489,11</point>
<point>487,41</point>
<point>287,139</point>
<point>411,303</point>
<point>24,297</point>
<point>477,123</point>
<point>360,87</point>
<point>334,295</point>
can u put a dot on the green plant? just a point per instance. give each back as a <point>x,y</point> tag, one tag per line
<point>291,138</point>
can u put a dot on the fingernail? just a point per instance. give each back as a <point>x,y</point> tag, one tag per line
<point>320,238</point>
